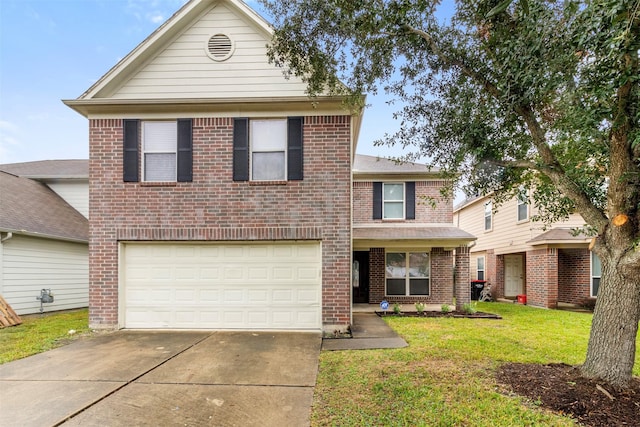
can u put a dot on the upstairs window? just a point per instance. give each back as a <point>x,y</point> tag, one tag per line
<point>267,149</point>
<point>407,273</point>
<point>488,216</point>
<point>393,201</point>
<point>166,148</point>
<point>159,151</point>
<point>268,142</point>
<point>523,206</point>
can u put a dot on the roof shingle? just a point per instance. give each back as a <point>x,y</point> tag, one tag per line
<point>31,207</point>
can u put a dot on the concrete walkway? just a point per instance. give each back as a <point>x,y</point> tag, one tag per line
<point>369,332</point>
<point>182,378</point>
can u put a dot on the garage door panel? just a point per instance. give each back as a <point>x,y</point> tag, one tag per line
<point>257,286</point>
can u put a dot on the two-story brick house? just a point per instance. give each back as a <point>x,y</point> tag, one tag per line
<point>404,241</point>
<point>548,264</point>
<point>220,194</point>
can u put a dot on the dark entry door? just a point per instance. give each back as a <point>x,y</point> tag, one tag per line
<point>360,277</point>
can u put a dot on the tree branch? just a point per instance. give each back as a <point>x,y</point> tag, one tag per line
<point>553,169</point>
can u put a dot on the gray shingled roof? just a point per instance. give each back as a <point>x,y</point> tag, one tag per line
<point>373,164</point>
<point>49,169</point>
<point>31,207</point>
<point>559,235</point>
<point>411,233</point>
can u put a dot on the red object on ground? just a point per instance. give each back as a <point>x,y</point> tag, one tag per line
<point>522,299</point>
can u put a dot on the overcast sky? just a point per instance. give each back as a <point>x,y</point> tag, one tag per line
<point>56,49</point>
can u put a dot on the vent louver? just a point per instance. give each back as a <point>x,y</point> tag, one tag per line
<point>219,47</point>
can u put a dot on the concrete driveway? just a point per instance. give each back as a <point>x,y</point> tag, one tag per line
<point>165,378</point>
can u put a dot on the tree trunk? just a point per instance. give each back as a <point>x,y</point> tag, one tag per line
<point>612,343</point>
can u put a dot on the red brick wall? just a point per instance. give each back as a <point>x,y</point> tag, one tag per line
<point>574,279</point>
<point>463,282</point>
<point>425,212</point>
<point>542,277</point>
<point>213,206</point>
<point>441,281</point>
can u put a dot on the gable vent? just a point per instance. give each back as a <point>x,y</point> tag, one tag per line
<point>219,47</point>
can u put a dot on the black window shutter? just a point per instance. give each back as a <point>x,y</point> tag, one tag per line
<point>185,150</point>
<point>377,200</point>
<point>241,149</point>
<point>130,163</point>
<point>410,200</point>
<point>294,148</point>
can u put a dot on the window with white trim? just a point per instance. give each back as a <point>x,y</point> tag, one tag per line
<point>159,151</point>
<point>523,205</point>
<point>488,216</point>
<point>268,142</point>
<point>393,200</point>
<point>596,274</point>
<point>407,273</point>
<point>480,268</point>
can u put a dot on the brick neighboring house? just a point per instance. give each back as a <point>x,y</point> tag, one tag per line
<point>220,194</point>
<point>404,240</point>
<point>43,234</point>
<point>517,256</point>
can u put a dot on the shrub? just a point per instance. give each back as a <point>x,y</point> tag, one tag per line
<point>445,308</point>
<point>470,308</point>
<point>419,307</point>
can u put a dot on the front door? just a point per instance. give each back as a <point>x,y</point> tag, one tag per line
<point>513,276</point>
<point>360,277</point>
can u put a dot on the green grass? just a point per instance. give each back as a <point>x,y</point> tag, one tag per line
<point>446,375</point>
<point>39,333</point>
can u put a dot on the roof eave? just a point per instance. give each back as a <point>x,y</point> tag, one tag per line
<point>44,235</point>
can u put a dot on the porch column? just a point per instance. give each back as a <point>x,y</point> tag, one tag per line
<point>462,277</point>
<point>542,277</point>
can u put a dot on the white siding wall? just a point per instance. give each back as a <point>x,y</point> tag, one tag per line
<point>30,264</point>
<point>507,235</point>
<point>75,193</point>
<point>184,70</point>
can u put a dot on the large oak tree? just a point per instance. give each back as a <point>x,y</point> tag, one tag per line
<point>505,96</point>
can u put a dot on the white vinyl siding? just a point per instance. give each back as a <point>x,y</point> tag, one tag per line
<point>508,236</point>
<point>74,193</point>
<point>221,286</point>
<point>183,69</point>
<point>30,264</point>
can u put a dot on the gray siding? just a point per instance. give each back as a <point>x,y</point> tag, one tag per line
<point>30,264</point>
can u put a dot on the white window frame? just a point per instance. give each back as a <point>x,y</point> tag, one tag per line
<point>488,214</point>
<point>483,269</point>
<point>523,200</point>
<point>592,276</point>
<point>146,151</point>
<point>403,200</point>
<point>407,276</point>
<point>252,138</point>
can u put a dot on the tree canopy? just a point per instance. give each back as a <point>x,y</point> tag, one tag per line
<point>502,95</point>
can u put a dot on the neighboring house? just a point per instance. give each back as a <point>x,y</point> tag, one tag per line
<point>220,194</point>
<point>43,245</point>
<point>549,265</point>
<point>68,178</point>
<point>404,241</point>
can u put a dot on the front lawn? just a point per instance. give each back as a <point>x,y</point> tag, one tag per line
<point>39,333</point>
<point>446,377</point>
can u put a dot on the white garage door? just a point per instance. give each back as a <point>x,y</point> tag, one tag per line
<point>222,286</point>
